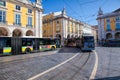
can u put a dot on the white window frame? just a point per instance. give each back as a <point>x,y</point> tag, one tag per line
<point>17,22</point>
<point>2,20</point>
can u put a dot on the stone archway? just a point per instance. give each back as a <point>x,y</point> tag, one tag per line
<point>17,33</point>
<point>108,35</point>
<point>117,35</point>
<point>29,33</point>
<point>3,32</point>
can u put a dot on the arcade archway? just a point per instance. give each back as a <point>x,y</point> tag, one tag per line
<point>108,35</point>
<point>3,32</point>
<point>17,33</point>
<point>29,33</point>
<point>117,35</point>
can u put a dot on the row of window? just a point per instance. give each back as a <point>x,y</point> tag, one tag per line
<point>108,28</point>
<point>117,21</point>
<point>17,18</point>
<point>2,3</point>
<point>17,7</point>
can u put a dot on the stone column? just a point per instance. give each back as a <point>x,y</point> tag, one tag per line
<point>38,28</point>
<point>37,24</point>
<point>41,32</point>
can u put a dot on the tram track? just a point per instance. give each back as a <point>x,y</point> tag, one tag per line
<point>79,69</point>
<point>70,67</point>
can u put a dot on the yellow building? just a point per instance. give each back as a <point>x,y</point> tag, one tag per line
<point>58,24</point>
<point>108,25</point>
<point>20,18</point>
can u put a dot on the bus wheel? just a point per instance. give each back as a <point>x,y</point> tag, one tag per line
<point>27,51</point>
<point>53,48</point>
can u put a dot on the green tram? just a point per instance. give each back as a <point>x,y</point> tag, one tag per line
<point>13,45</point>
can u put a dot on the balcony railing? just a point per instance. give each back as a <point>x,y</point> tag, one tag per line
<point>29,26</point>
<point>17,24</point>
<point>108,30</point>
<point>117,29</point>
<point>3,22</point>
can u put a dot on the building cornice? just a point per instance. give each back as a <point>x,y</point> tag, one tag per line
<point>27,4</point>
<point>108,15</point>
<point>62,17</point>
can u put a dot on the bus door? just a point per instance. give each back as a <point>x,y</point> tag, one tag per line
<point>16,44</point>
<point>36,44</point>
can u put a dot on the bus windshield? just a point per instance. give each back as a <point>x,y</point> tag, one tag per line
<point>88,39</point>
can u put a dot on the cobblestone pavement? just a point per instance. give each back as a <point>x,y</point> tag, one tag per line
<point>79,68</point>
<point>109,63</point>
<point>23,67</point>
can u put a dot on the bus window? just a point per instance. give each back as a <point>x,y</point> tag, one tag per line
<point>1,43</point>
<point>88,39</point>
<point>24,42</point>
<point>41,42</point>
<point>52,43</point>
<point>8,42</point>
<point>29,42</point>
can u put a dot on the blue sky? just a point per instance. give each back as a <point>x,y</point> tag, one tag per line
<point>83,10</point>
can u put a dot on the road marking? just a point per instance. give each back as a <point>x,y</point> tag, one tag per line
<point>40,74</point>
<point>95,67</point>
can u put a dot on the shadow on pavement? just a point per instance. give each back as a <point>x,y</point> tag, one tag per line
<point>69,50</point>
<point>109,78</point>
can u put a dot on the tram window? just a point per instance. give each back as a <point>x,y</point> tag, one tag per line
<point>88,39</point>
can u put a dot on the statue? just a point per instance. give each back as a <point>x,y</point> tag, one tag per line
<point>38,1</point>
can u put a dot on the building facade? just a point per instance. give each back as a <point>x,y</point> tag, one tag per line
<point>58,24</point>
<point>20,18</point>
<point>108,25</point>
